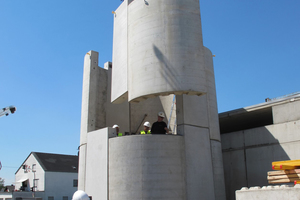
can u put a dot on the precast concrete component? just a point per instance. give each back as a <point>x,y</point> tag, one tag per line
<point>92,117</point>
<point>147,167</point>
<point>119,71</point>
<point>165,50</point>
<point>211,97</point>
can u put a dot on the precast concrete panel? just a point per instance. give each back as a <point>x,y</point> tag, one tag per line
<point>191,110</point>
<point>211,97</point>
<point>119,70</point>
<point>286,112</point>
<point>146,167</point>
<point>198,158</point>
<point>92,115</point>
<point>165,50</point>
<point>218,170</point>
<point>97,163</point>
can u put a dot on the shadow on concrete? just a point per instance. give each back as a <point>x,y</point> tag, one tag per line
<point>249,146</point>
<point>166,69</point>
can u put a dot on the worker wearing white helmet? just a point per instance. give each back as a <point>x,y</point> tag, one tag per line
<point>117,130</point>
<point>146,130</point>
<point>160,127</point>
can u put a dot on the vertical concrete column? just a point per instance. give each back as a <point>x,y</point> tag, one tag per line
<point>193,125</point>
<point>214,129</point>
<point>92,115</point>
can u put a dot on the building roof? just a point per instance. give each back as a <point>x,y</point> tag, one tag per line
<point>56,162</point>
<point>253,116</point>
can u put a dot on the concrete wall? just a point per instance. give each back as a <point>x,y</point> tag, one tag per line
<point>94,89</point>
<point>269,192</point>
<point>248,154</point>
<point>97,165</point>
<point>146,167</point>
<point>165,53</point>
<point>119,71</point>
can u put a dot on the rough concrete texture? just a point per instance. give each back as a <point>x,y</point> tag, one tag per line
<point>287,112</point>
<point>92,115</point>
<point>161,33</point>
<point>146,167</point>
<point>248,154</point>
<point>119,75</point>
<point>97,165</point>
<point>198,160</point>
<point>211,97</point>
<point>269,192</point>
<point>195,115</point>
<point>218,170</point>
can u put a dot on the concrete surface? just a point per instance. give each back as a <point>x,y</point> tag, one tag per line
<point>269,192</point>
<point>161,33</point>
<point>248,154</point>
<point>97,165</point>
<point>146,167</point>
<point>120,56</point>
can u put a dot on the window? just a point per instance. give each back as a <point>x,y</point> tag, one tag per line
<point>75,182</point>
<point>65,197</point>
<point>50,198</point>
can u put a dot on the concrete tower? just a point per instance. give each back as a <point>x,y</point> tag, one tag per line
<point>157,53</point>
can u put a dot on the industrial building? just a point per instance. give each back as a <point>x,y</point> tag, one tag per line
<point>255,136</point>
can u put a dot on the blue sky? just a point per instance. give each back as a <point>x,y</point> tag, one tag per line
<point>43,43</point>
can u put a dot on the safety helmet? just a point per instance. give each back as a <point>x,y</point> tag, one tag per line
<point>116,126</point>
<point>147,124</point>
<point>161,114</point>
<point>80,195</point>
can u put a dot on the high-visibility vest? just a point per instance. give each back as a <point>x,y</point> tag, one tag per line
<point>120,134</point>
<point>143,132</point>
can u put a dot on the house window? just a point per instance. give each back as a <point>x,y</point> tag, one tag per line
<point>75,182</point>
<point>65,197</point>
<point>50,198</point>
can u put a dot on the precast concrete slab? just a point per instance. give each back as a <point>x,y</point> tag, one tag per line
<point>287,192</point>
<point>146,167</point>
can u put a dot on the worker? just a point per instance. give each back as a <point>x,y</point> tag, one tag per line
<point>146,130</point>
<point>117,130</point>
<point>159,127</point>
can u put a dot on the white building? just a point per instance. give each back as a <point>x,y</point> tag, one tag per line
<point>47,176</point>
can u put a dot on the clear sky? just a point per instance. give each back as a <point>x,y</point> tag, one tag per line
<point>43,43</point>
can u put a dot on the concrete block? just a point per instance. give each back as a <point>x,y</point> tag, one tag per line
<point>119,56</point>
<point>198,163</point>
<point>172,69</point>
<point>286,112</point>
<point>218,170</point>
<point>144,172</point>
<point>274,193</point>
<point>96,169</point>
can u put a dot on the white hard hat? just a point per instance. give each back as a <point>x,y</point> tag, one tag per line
<point>147,124</point>
<point>161,114</point>
<point>116,126</point>
<point>80,195</point>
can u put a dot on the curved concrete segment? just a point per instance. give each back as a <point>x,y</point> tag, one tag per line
<point>165,49</point>
<point>146,167</point>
